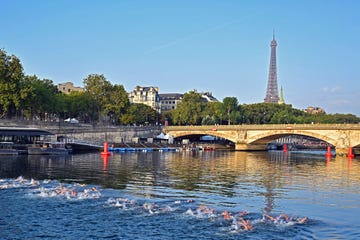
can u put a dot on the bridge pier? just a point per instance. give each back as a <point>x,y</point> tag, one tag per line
<point>250,147</point>
<point>341,151</point>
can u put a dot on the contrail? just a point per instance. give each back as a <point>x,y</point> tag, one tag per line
<point>186,38</point>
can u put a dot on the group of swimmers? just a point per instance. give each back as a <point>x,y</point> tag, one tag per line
<point>238,221</point>
<point>285,219</point>
<point>18,182</point>
<point>76,191</point>
<point>46,188</point>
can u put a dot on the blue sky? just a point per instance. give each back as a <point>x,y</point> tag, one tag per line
<point>218,46</point>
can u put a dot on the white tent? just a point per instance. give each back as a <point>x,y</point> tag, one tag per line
<point>161,136</point>
<point>71,120</point>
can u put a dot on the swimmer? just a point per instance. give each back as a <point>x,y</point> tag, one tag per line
<point>46,181</point>
<point>123,199</point>
<point>73,193</point>
<point>34,182</point>
<point>266,216</point>
<point>283,218</point>
<point>226,215</point>
<point>59,190</point>
<point>167,209</point>
<point>246,224</point>
<point>302,220</point>
<point>201,209</point>
<point>20,179</point>
<point>243,213</point>
<point>189,212</point>
<point>5,186</point>
<point>149,207</point>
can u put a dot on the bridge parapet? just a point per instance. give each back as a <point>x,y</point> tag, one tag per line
<point>267,127</point>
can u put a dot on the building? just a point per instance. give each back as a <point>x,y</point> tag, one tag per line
<point>69,87</point>
<point>314,110</point>
<point>272,94</point>
<point>162,102</point>
<point>208,97</point>
<point>169,101</point>
<point>146,95</point>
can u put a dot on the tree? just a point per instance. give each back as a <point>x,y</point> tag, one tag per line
<point>40,101</point>
<point>282,117</point>
<point>80,105</point>
<point>11,84</point>
<point>139,113</point>
<point>213,113</point>
<point>99,88</point>
<point>117,103</point>
<point>111,100</point>
<point>189,110</point>
<point>230,106</point>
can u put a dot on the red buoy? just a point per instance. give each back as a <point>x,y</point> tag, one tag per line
<point>106,149</point>
<point>350,153</point>
<point>285,148</point>
<point>328,153</point>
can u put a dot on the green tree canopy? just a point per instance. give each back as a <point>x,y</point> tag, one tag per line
<point>231,109</point>
<point>189,110</point>
<point>99,88</point>
<point>139,113</point>
<point>11,84</point>
<point>117,103</point>
<point>40,98</point>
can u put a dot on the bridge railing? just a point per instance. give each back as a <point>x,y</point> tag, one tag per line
<point>264,127</point>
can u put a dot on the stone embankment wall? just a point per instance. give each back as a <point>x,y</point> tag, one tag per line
<point>90,133</point>
<point>119,134</point>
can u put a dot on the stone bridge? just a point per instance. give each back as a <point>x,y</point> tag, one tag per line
<point>256,137</point>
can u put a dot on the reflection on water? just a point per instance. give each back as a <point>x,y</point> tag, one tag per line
<point>222,173</point>
<point>325,190</point>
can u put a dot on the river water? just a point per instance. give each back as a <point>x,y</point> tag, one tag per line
<point>157,196</point>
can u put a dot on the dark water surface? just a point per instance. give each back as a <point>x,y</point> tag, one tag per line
<point>156,196</point>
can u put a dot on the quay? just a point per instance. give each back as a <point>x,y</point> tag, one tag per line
<point>23,139</point>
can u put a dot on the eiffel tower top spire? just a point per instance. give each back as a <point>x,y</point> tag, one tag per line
<point>272,94</point>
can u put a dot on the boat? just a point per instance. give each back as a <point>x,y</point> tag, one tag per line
<point>48,148</point>
<point>7,148</point>
<point>209,148</point>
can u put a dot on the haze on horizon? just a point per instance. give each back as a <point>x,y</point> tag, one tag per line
<point>221,47</point>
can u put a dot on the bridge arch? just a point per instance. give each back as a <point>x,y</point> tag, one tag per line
<point>269,136</point>
<point>227,136</point>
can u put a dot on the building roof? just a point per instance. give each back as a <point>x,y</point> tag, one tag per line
<point>171,95</point>
<point>208,97</point>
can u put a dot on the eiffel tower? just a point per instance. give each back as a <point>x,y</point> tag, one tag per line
<point>272,95</point>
